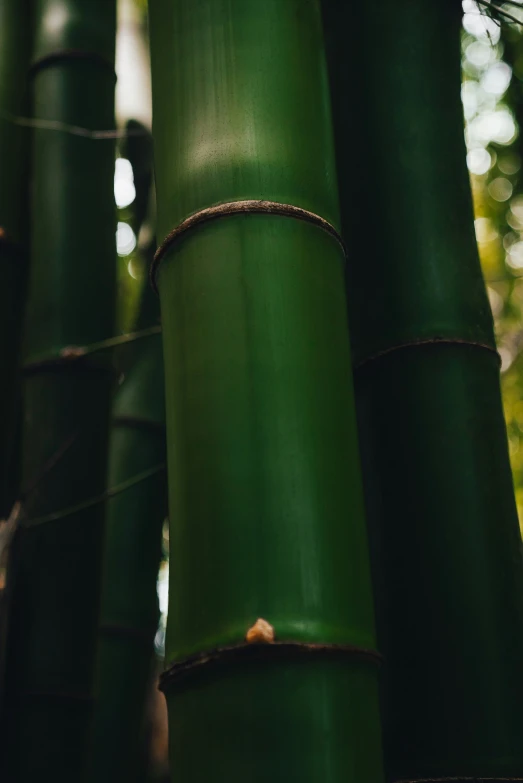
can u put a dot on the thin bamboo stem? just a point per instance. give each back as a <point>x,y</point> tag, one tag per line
<point>14,245</point>
<point>129,612</point>
<point>56,567</point>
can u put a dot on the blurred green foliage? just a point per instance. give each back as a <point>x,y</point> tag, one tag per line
<point>492,95</point>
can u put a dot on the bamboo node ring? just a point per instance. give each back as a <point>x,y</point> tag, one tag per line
<point>420,343</point>
<point>245,207</point>
<point>258,650</point>
<point>59,55</point>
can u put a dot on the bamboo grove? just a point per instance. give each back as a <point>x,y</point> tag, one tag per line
<point>320,417</point>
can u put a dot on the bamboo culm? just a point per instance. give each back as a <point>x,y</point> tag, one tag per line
<point>14,245</point>
<point>56,566</point>
<point>270,642</point>
<point>129,614</point>
<point>129,611</point>
<point>14,159</point>
<point>440,503</point>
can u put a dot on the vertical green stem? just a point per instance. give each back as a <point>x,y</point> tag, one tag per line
<point>56,566</point>
<point>440,501</point>
<point>14,245</point>
<point>129,608</point>
<point>264,479</point>
<point>14,157</point>
<point>129,612</point>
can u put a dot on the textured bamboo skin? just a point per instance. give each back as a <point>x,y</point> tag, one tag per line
<point>56,566</point>
<point>14,61</point>
<point>129,612</point>
<point>264,479</point>
<point>440,504</point>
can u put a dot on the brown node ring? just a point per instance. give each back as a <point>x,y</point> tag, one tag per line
<point>275,650</point>
<point>60,55</point>
<point>423,342</point>
<point>246,207</point>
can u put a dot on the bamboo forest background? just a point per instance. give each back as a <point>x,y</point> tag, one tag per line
<point>492,93</point>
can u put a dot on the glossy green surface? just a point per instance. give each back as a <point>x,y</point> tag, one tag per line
<point>56,566</point>
<point>264,477</point>
<point>407,212</point>
<point>300,721</point>
<point>240,82</point>
<point>14,158</point>
<point>129,612</point>
<point>442,519</point>
<point>264,480</point>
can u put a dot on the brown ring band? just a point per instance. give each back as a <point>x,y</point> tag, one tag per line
<point>246,207</point>
<point>275,650</point>
<point>53,58</point>
<point>424,342</point>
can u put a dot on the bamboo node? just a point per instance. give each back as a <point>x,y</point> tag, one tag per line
<point>245,207</point>
<point>64,55</point>
<point>261,632</point>
<point>72,352</point>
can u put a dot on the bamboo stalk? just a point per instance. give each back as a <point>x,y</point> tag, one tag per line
<point>14,60</point>
<point>270,641</point>
<point>56,565</point>
<point>129,613</point>
<point>439,494</point>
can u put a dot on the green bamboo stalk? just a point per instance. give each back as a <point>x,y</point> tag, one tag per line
<point>56,565</point>
<point>264,480</point>
<point>14,61</point>
<point>129,613</point>
<point>439,494</point>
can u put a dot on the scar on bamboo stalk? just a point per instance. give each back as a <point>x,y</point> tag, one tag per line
<point>261,632</point>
